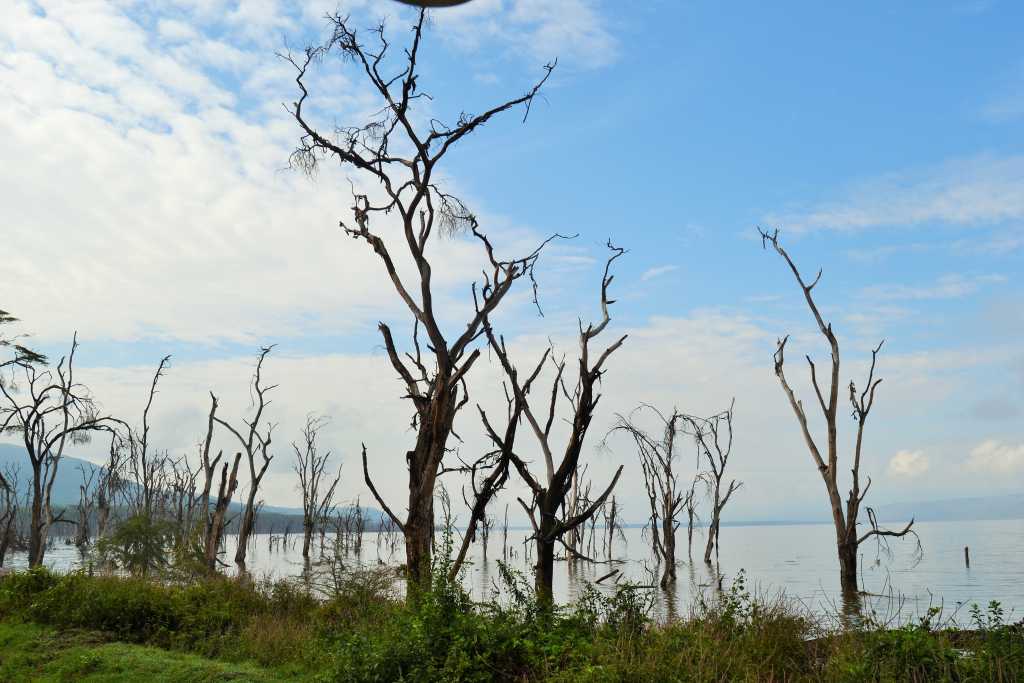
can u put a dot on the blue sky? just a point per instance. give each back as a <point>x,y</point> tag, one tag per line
<point>148,208</point>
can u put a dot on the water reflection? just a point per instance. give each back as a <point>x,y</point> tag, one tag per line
<point>798,560</point>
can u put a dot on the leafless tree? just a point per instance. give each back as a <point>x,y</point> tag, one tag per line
<point>209,466</point>
<point>311,465</point>
<point>714,444</point>
<point>396,152</point>
<point>549,497</point>
<point>86,503</point>
<point>182,489</point>
<point>215,528</point>
<point>110,484</point>
<point>9,509</point>
<point>848,537</point>
<point>254,443</point>
<point>144,465</point>
<point>660,459</point>
<point>54,411</point>
<point>487,476</point>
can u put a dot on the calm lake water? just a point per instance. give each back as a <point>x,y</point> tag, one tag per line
<point>797,560</point>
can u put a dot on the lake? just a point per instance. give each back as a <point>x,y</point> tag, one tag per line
<point>797,560</point>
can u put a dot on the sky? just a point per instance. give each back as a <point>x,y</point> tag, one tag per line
<point>149,206</point>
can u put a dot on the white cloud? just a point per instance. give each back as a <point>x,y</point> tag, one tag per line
<point>967,192</point>
<point>657,271</point>
<point>148,202</point>
<point>995,457</point>
<point>571,30</point>
<point>908,464</point>
<point>953,286</point>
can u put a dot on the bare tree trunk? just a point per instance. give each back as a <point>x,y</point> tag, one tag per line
<point>845,521</point>
<point>550,496</point>
<point>228,484</point>
<point>413,196</point>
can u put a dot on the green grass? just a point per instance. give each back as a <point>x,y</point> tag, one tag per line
<point>105,628</point>
<point>30,652</point>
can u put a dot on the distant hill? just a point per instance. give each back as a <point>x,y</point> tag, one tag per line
<point>955,509</point>
<point>69,476</point>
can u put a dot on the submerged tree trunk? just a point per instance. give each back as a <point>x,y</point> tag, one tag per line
<point>668,544</point>
<point>848,567</point>
<point>245,528</point>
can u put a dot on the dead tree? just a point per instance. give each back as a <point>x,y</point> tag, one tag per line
<point>54,412</point>
<point>209,466</point>
<point>660,460</point>
<point>713,436</point>
<point>215,529</point>
<point>848,538</point>
<point>8,509</point>
<point>86,502</point>
<point>110,484</point>
<point>484,488</point>
<point>692,518</point>
<point>310,465</point>
<point>254,443</point>
<point>402,158</point>
<point>144,465</point>
<point>550,490</point>
<point>182,489</point>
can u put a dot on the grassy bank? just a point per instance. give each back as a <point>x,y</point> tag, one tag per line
<point>80,627</point>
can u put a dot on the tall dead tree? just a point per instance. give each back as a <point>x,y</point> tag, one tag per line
<point>49,410</point>
<point>254,443</point>
<point>310,466</point>
<point>660,459</point>
<point>714,444</point>
<point>401,155</point>
<point>844,518</point>
<point>550,490</point>
<point>209,466</point>
<point>144,465</point>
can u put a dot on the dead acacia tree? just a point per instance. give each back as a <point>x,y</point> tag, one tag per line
<point>660,460</point>
<point>310,466</point>
<point>550,490</point>
<point>254,443</point>
<point>713,436</point>
<point>402,156</point>
<point>49,410</point>
<point>844,518</point>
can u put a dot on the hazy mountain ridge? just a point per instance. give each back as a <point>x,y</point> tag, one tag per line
<point>69,478</point>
